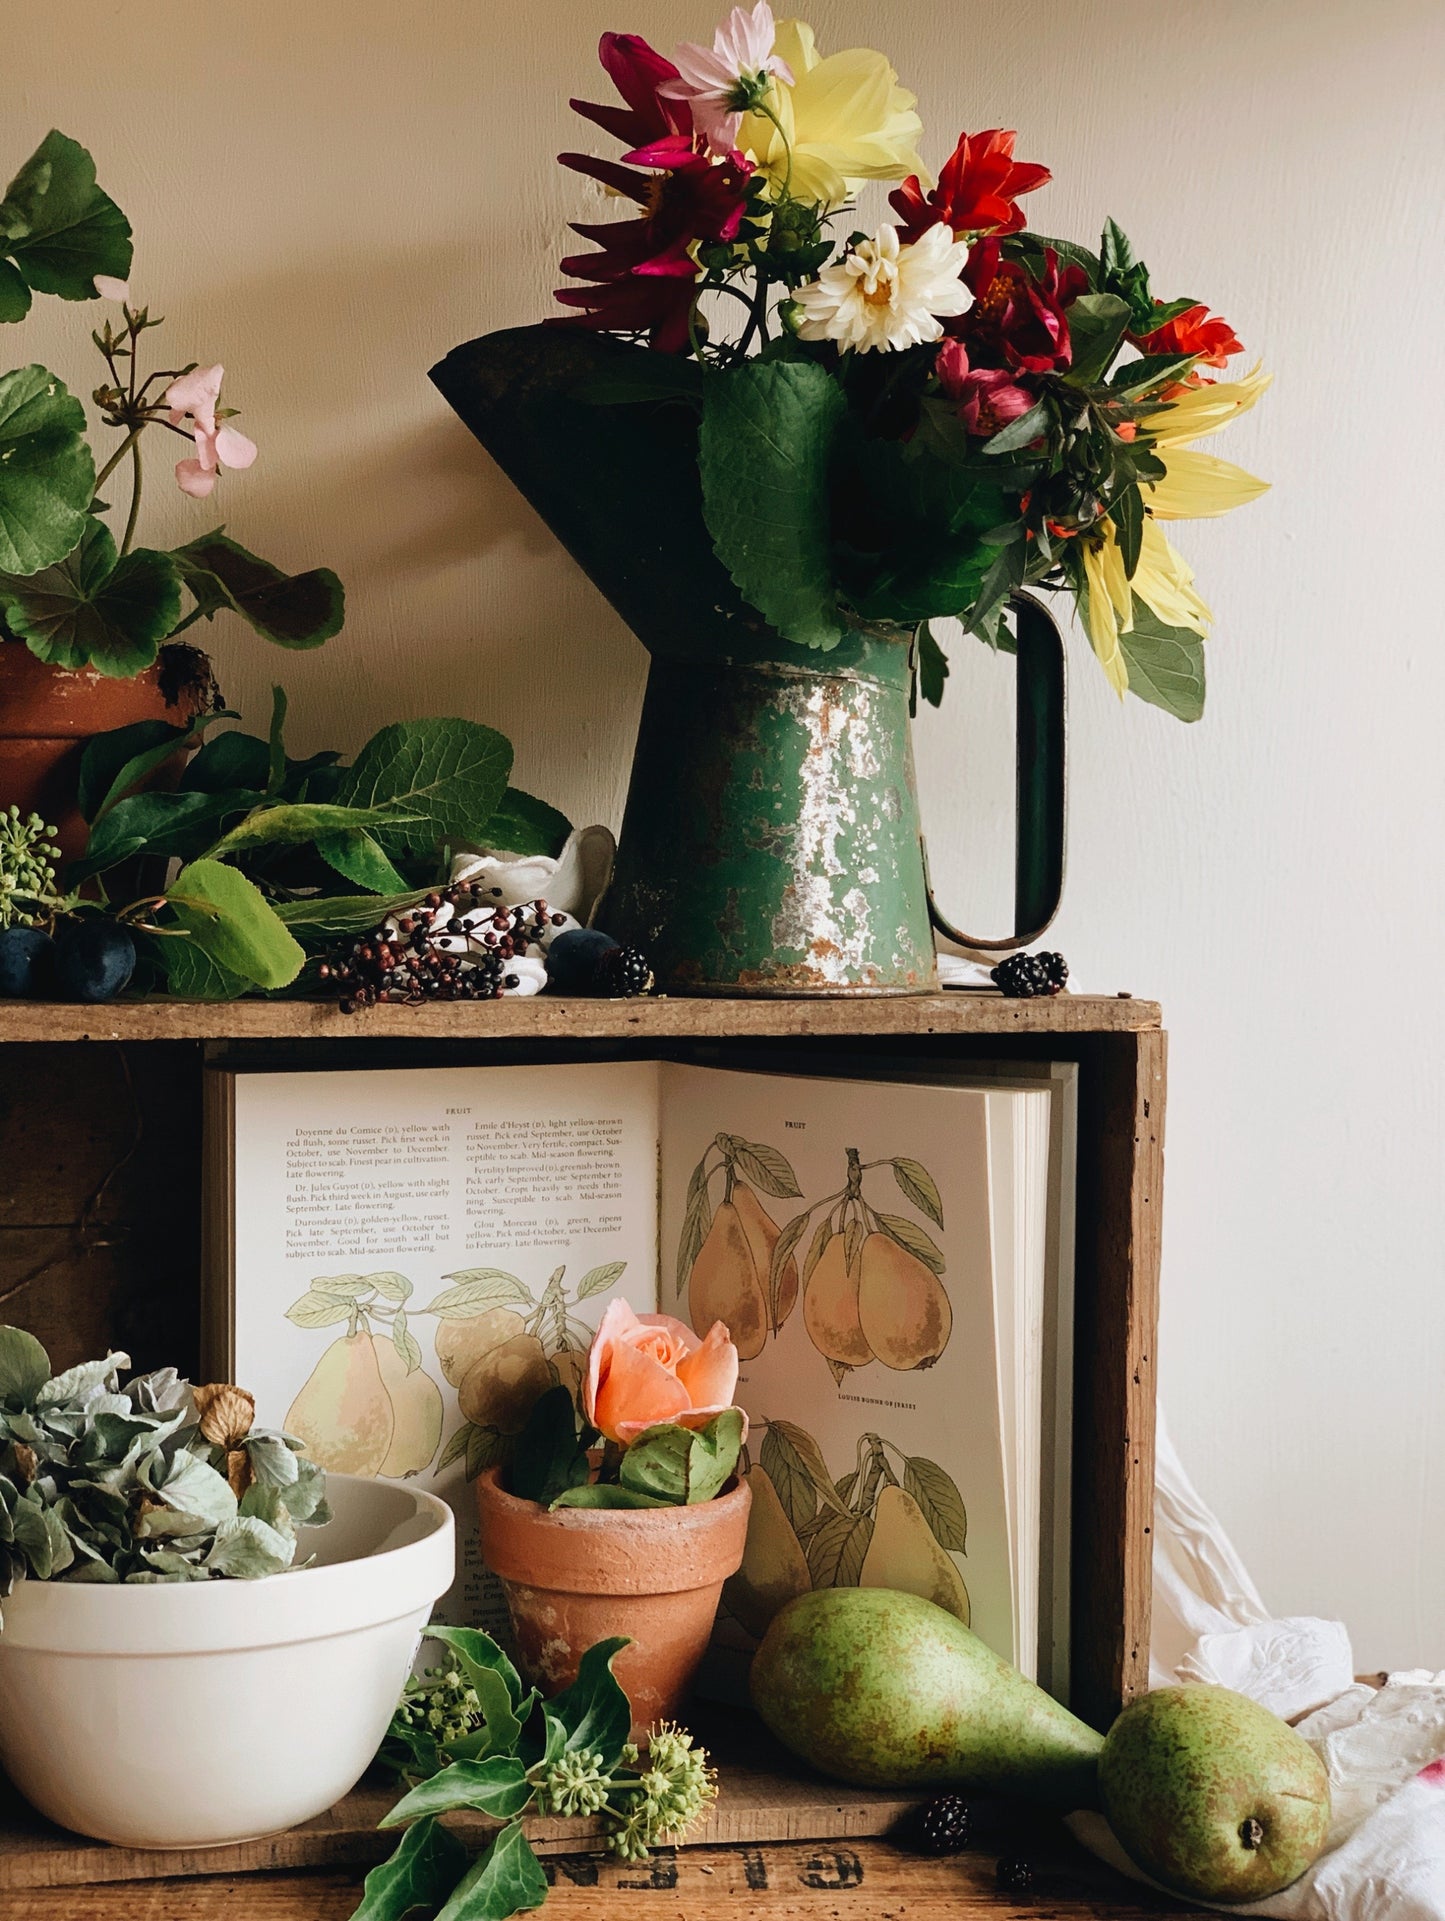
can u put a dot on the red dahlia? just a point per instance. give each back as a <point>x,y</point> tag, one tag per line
<point>976,192</point>
<point>1017,319</point>
<point>1195,331</point>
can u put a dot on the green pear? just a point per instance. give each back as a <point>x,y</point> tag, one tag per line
<point>1212,1795</point>
<point>884,1689</point>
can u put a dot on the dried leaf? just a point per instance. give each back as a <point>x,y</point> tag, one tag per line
<point>227,1414</point>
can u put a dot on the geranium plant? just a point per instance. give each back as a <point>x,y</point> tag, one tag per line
<point>911,424</point>
<point>658,1426</point>
<point>75,595</point>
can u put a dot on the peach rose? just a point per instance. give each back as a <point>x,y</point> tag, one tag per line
<point>647,1368</point>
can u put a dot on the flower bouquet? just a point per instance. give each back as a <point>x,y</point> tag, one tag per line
<point>629,1521</point>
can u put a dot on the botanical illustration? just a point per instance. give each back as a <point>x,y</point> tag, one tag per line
<point>893,1520</point>
<point>368,1406</point>
<point>871,1287</point>
<point>502,1347</point>
<point>728,1258</point>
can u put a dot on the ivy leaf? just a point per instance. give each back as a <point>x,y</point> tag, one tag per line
<point>447,775</point>
<point>765,448</point>
<point>594,1710</point>
<point>428,1863</point>
<point>62,230</point>
<point>523,824</point>
<point>94,610</point>
<point>507,1878</point>
<point>478,1655</point>
<point>497,1786</point>
<point>1166,664</point>
<point>228,918</point>
<point>47,475</point>
<point>293,610</point>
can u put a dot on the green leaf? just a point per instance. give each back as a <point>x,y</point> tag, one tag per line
<point>357,856</point>
<point>550,1458</point>
<point>920,1187</point>
<point>594,1710</point>
<point>293,610</point>
<point>193,976</point>
<point>229,760</point>
<point>176,825</point>
<point>292,823</point>
<point>497,1786</point>
<point>228,918</point>
<point>1030,248</point>
<point>113,763</point>
<point>1021,432</point>
<point>644,375</point>
<point>837,1551</point>
<point>932,666</point>
<point>940,1500</point>
<point>684,1466</point>
<point>910,1235</point>
<point>505,1879</point>
<point>1116,255</point>
<point>47,476</point>
<point>1166,664</point>
<point>597,1280</point>
<point>766,1168</point>
<point>14,294</point>
<point>475,1290</point>
<point>24,1366</point>
<point>328,915</point>
<point>1097,324</point>
<point>94,610</point>
<point>448,775</point>
<point>794,1464</point>
<point>765,447</point>
<point>478,1655</point>
<point>428,1863</point>
<point>1127,510</point>
<point>523,824</point>
<point>1142,376</point>
<point>63,229</point>
<point>607,1494</point>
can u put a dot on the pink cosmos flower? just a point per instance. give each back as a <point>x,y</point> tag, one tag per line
<point>720,83</point>
<point>988,397</point>
<point>646,1368</point>
<point>192,403</point>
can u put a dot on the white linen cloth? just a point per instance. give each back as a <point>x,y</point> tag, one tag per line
<point>1385,1858</point>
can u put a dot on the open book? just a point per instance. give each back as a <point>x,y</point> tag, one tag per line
<point>401,1260</point>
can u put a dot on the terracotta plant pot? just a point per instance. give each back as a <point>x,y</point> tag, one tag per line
<point>47,714</point>
<point>581,1574</point>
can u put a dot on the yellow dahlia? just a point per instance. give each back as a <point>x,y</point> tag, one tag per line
<point>1163,580</point>
<point>844,120</point>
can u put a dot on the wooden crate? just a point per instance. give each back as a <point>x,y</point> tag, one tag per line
<point>100,1200</point>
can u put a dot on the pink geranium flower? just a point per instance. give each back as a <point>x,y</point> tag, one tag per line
<point>192,403</point>
<point>721,82</point>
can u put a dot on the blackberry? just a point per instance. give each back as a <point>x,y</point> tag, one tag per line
<point>1023,976</point>
<point>1015,1875</point>
<point>623,973</point>
<point>944,1826</point>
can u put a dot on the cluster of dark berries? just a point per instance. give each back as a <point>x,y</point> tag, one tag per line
<point>460,943</point>
<point>944,1826</point>
<point>1022,976</point>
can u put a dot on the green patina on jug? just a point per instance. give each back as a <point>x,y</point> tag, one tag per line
<point>771,842</point>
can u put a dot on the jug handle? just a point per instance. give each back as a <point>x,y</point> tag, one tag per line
<point>1039,783</point>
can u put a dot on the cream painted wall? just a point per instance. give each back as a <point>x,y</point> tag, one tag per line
<point>327,196</point>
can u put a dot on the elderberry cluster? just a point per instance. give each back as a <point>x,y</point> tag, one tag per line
<point>1022,976</point>
<point>459,943</point>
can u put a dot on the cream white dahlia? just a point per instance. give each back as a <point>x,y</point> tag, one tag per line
<point>885,293</point>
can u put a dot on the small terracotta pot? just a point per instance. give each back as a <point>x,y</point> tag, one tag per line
<point>582,1574</point>
<point>48,714</point>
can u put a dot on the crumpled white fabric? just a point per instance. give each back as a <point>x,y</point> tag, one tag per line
<point>1385,1857</point>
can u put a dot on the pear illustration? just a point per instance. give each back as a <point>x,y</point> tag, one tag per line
<point>725,1284</point>
<point>501,1387</point>
<point>569,1368</point>
<point>774,1567</point>
<point>343,1414</point>
<point>903,1311</point>
<point>903,1554</point>
<point>416,1406</point>
<point>462,1343</point>
<point>831,1309</point>
<point>762,1233</point>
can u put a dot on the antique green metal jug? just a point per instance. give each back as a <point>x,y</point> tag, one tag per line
<point>771,842</point>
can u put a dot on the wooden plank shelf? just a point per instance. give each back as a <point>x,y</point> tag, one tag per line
<point>545,1018</point>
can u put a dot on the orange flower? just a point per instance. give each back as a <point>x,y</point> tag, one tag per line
<point>643,1369</point>
<point>1195,331</point>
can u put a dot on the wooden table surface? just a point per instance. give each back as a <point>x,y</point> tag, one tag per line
<point>813,1881</point>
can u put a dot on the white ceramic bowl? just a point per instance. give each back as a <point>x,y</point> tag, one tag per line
<point>187,1715</point>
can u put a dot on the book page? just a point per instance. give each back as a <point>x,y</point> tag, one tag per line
<point>420,1252</point>
<point>874,1402</point>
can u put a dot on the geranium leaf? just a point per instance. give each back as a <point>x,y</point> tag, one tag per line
<point>228,918</point>
<point>47,475</point>
<point>14,294</point>
<point>62,230</point>
<point>448,775</point>
<point>293,610</point>
<point>765,447</point>
<point>1166,664</point>
<point>94,610</point>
